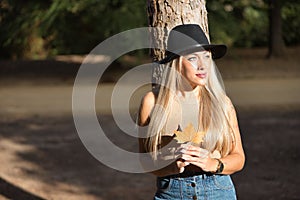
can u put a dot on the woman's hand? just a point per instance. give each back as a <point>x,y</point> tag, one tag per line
<point>171,153</point>
<point>180,163</point>
<point>200,157</point>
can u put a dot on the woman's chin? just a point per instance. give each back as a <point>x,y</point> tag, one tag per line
<point>201,82</point>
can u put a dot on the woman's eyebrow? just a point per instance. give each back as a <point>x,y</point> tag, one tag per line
<point>192,54</point>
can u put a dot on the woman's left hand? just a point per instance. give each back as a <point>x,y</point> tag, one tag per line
<point>200,157</point>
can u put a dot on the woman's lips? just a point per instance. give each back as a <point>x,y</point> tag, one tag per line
<point>203,75</point>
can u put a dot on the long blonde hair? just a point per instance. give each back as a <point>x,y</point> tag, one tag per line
<point>213,110</point>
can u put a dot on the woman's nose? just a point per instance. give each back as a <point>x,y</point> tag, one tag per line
<point>200,64</point>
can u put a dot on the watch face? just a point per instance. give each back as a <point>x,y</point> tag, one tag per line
<point>221,167</point>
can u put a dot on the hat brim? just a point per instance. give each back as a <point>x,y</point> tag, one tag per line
<point>217,51</point>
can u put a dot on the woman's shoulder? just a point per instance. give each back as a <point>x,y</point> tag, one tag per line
<point>228,101</point>
<point>230,106</point>
<point>149,99</point>
<point>146,107</point>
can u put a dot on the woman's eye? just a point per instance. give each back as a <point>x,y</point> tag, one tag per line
<point>207,56</point>
<point>192,59</point>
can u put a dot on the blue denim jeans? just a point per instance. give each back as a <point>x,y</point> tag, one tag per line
<point>206,187</point>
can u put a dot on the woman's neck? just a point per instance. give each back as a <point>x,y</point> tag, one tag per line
<point>190,92</point>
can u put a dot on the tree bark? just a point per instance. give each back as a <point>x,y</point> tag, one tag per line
<point>276,43</point>
<point>167,14</point>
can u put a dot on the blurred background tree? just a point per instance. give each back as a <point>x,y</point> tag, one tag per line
<point>39,29</point>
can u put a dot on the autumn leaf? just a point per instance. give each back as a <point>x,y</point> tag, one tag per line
<point>189,134</point>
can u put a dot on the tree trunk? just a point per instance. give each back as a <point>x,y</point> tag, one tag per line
<point>276,43</point>
<point>167,14</point>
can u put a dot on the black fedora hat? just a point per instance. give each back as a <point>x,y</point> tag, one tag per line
<point>188,38</point>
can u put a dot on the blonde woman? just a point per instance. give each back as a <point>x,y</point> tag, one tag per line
<point>191,95</point>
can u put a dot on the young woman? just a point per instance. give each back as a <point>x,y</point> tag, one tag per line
<point>191,93</point>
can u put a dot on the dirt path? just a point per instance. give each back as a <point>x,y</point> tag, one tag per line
<point>28,99</point>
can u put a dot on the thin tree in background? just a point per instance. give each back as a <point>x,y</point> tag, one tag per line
<point>276,43</point>
<point>167,14</point>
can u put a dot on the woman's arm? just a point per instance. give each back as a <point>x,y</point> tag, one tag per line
<point>146,107</point>
<point>235,160</point>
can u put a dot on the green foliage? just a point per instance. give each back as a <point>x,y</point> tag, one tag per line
<point>79,26</point>
<point>222,23</point>
<point>245,23</point>
<point>291,22</point>
<point>37,29</point>
<point>18,28</point>
<point>238,23</point>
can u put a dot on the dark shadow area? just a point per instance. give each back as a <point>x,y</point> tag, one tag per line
<point>59,70</point>
<point>271,143</point>
<point>11,191</point>
<point>39,69</point>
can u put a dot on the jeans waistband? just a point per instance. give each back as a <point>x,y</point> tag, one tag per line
<point>186,174</point>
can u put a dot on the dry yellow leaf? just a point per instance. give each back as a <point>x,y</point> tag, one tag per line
<point>189,134</point>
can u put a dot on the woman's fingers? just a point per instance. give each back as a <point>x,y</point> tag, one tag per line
<point>181,164</point>
<point>197,156</point>
<point>196,151</point>
<point>190,159</point>
<point>188,154</point>
<point>200,162</point>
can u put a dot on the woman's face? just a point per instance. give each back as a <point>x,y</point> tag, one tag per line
<point>195,68</point>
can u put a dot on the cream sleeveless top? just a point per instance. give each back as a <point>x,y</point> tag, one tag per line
<point>185,110</point>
